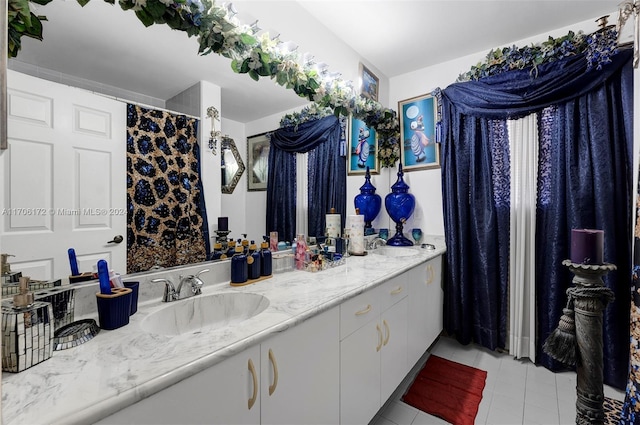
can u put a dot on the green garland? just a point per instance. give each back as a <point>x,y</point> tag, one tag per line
<point>218,31</point>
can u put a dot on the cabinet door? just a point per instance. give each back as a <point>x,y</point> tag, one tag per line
<point>301,373</point>
<point>218,395</point>
<point>393,360</point>
<point>360,374</point>
<point>425,307</point>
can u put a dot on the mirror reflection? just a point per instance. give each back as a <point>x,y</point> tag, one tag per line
<point>231,165</point>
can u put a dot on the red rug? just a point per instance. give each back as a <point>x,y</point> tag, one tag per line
<point>449,390</point>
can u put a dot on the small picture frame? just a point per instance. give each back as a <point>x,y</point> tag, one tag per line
<point>257,162</point>
<point>418,147</point>
<point>363,148</point>
<point>369,83</point>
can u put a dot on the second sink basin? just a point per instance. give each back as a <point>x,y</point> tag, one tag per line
<point>394,251</point>
<point>204,312</point>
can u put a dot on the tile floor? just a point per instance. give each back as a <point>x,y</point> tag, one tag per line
<point>516,391</point>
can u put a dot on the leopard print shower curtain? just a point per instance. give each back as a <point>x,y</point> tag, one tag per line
<point>166,216</point>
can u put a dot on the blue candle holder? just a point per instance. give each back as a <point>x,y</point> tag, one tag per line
<point>399,204</point>
<point>368,201</point>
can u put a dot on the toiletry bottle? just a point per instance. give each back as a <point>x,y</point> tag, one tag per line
<point>7,275</point>
<point>245,245</point>
<point>266,263</point>
<point>239,266</point>
<point>217,253</point>
<point>253,261</point>
<point>300,252</point>
<point>231,248</point>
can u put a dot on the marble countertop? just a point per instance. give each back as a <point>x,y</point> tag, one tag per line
<point>120,367</point>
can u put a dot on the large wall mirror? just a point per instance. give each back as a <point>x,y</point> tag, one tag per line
<point>231,164</point>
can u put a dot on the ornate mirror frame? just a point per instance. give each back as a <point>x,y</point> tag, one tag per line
<point>228,143</point>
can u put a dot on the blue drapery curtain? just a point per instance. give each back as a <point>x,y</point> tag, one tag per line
<point>327,176</point>
<point>590,186</point>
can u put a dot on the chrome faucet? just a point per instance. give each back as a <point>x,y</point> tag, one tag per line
<point>373,244</point>
<point>193,281</point>
<point>171,293</point>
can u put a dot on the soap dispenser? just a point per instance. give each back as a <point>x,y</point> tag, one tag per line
<point>7,275</point>
<point>245,243</point>
<point>239,267</point>
<point>266,261</point>
<point>253,261</point>
<point>231,248</point>
<point>217,253</point>
<point>27,330</point>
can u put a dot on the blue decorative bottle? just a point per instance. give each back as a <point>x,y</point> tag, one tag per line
<point>368,202</point>
<point>399,204</point>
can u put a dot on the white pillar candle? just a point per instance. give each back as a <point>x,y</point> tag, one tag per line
<point>356,234</point>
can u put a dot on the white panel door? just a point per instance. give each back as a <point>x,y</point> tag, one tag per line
<point>63,178</point>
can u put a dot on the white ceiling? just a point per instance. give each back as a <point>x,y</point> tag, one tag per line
<point>103,43</point>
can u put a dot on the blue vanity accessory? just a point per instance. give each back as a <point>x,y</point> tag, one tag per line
<point>253,261</point>
<point>399,204</point>
<point>73,262</point>
<point>103,276</point>
<point>368,202</point>
<point>239,266</point>
<point>266,260</point>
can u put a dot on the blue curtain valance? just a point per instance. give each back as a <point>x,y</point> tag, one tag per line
<point>518,93</point>
<point>306,136</point>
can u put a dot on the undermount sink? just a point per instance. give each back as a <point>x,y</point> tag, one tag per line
<point>394,251</point>
<point>204,312</point>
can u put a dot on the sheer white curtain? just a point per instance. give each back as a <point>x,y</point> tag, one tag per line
<point>302,194</point>
<point>523,144</point>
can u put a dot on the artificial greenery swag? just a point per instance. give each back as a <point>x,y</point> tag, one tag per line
<point>218,31</point>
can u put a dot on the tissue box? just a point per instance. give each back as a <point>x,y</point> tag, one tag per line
<point>27,336</point>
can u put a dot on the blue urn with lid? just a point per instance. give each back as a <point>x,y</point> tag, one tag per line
<point>399,204</point>
<point>368,202</point>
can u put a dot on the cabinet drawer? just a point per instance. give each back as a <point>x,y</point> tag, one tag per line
<point>393,291</point>
<point>359,311</point>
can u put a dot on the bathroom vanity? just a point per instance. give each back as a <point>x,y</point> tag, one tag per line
<point>300,347</point>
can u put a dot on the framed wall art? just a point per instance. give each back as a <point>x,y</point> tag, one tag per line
<point>370,83</point>
<point>363,148</point>
<point>257,162</point>
<point>418,147</point>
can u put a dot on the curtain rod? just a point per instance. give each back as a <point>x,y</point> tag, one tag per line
<point>119,99</point>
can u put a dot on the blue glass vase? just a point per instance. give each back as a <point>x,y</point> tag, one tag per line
<point>399,204</point>
<point>368,202</point>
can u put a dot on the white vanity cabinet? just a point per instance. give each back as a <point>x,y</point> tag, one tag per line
<point>300,373</point>
<point>221,394</point>
<point>426,300</point>
<point>373,349</point>
<point>291,377</point>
